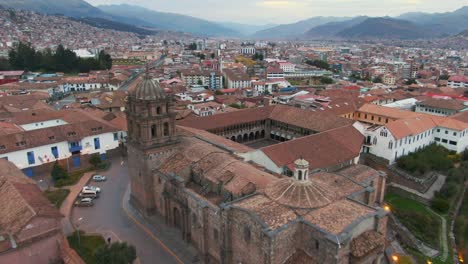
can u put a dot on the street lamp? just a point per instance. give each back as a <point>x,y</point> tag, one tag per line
<point>395,258</point>
<point>78,230</point>
<point>387,208</point>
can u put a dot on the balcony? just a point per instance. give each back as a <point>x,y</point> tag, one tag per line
<point>76,148</point>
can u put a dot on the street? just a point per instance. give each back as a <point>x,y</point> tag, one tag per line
<point>108,218</point>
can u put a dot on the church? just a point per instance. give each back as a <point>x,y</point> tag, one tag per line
<point>234,209</point>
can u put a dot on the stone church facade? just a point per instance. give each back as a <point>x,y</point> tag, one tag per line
<point>234,211</point>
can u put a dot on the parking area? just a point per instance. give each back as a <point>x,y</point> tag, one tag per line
<point>108,218</point>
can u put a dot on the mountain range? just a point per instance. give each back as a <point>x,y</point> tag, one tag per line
<point>414,25</point>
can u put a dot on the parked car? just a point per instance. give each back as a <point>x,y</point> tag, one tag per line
<point>92,188</point>
<point>99,178</point>
<point>89,194</point>
<point>84,202</point>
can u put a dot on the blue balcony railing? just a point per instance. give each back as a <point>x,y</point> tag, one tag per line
<point>76,148</point>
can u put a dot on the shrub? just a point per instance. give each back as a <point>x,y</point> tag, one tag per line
<point>95,160</point>
<point>58,173</point>
<point>439,204</point>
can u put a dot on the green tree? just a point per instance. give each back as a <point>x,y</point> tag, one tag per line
<point>444,77</point>
<point>218,92</point>
<point>319,63</point>
<point>410,82</point>
<point>200,82</point>
<point>58,172</point>
<point>326,80</point>
<point>377,79</point>
<point>192,46</point>
<point>213,55</point>
<point>95,160</point>
<point>116,253</point>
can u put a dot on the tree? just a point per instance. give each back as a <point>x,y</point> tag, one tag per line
<point>116,253</point>
<point>192,46</point>
<point>319,63</point>
<point>326,80</point>
<point>95,159</point>
<point>218,92</point>
<point>410,82</point>
<point>213,55</point>
<point>200,82</point>
<point>58,172</point>
<point>257,57</point>
<point>377,79</point>
<point>444,77</point>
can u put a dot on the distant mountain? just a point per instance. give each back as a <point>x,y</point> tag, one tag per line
<point>70,8</point>
<point>384,28</point>
<point>287,31</point>
<point>110,24</point>
<point>168,21</point>
<point>245,29</point>
<point>440,23</point>
<point>329,30</point>
<point>464,33</point>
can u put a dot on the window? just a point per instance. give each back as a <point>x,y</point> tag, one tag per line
<point>454,134</point>
<point>97,143</point>
<point>31,158</point>
<point>153,131</point>
<point>116,136</point>
<point>453,143</point>
<point>158,110</point>
<point>70,134</point>
<point>437,139</point>
<point>54,151</point>
<point>444,140</point>
<point>21,143</point>
<point>446,132</point>
<point>2,147</point>
<point>51,137</point>
<point>390,145</point>
<point>166,129</point>
<point>438,130</point>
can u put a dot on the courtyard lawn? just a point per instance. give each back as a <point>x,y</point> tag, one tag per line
<point>57,196</point>
<point>417,218</point>
<point>86,245</point>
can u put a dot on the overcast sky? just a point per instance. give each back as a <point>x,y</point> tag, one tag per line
<point>287,11</point>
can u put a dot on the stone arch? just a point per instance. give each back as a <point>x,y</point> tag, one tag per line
<point>257,135</point>
<point>246,137</point>
<point>233,138</point>
<point>251,136</point>
<point>158,110</point>
<point>239,138</point>
<point>262,134</point>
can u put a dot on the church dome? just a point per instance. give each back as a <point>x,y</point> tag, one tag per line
<point>149,90</point>
<point>300,194</point>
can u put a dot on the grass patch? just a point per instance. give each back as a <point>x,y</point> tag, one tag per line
<point>461,228</point>
<point>72,178</point>
<point>416,217</point>
<point>57,196</point>
<point>431,158</point>
<point>86,245</point>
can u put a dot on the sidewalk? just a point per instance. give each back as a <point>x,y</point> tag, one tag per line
<point>169,238</point>
<point>67,205</point>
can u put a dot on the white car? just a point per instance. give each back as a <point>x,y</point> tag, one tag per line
<point>84,202</point>
<point>91,188</point>
<point>99,178</point>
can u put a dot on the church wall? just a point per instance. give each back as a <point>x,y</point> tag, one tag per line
<point>316,245</point>
<point>247,241</point>
<point>284,243</point>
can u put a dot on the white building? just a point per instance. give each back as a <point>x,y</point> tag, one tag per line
<point>46,136</point>
<point>248,50</point>
<point>458,82</point>
<point>401,137</point>
<point>287,66</point>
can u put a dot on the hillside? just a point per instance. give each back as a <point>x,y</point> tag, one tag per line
<point>110,24</point>
<point>70,8</point>
<point>168,21</point>
<point>329,30</point>
<point>294,30</point>
<point>384,28</point>
<point>440,23</point>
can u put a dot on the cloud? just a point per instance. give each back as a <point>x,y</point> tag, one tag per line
<point>279,4</point>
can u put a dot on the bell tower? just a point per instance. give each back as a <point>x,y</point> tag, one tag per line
<point>151,131</point>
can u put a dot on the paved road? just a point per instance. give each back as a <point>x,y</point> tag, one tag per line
<point>108,218</point>
<point>135,76</point>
